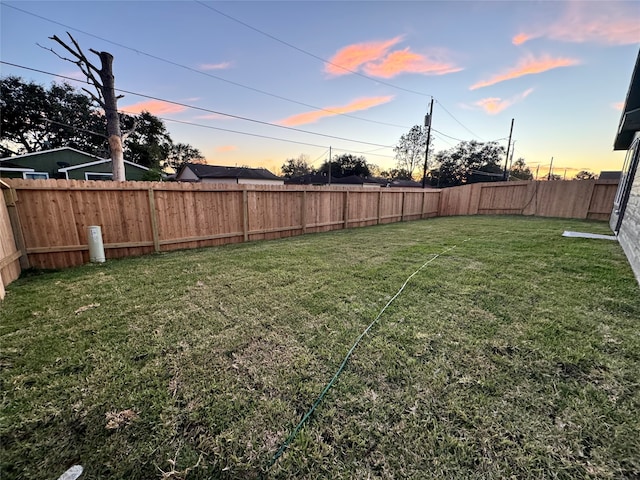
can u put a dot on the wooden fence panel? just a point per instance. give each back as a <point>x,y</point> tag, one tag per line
<point>391,206</point>
<point>142,217</point>
<point>274,214</point>
<point>217,218</point>
<point>602,198</point>
<point>503,198</point>
<point>362,209</point>
<point>565,199</point>
<point>9,252</point>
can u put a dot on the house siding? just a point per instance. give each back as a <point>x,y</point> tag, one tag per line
<point>629,233</point>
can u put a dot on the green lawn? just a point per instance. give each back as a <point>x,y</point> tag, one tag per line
<point>514,355</point>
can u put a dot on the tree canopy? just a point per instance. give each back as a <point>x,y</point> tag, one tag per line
<point>36,118</point>
<point>346,165</point>
<point>468,162</point>
<point>410,150</point>
<point>520,171</point>
<point>295,167</point>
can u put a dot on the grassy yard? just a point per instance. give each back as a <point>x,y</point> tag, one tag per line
<point>514,355</point>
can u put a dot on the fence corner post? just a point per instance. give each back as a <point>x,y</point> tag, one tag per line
<point>154,221</point>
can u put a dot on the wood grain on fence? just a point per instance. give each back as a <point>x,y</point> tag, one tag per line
<point>9,252</point>
<point>143,217</point>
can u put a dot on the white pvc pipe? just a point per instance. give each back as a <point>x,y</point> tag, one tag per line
<point>96,247</point>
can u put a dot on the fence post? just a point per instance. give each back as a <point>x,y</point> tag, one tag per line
<point>304,211</point>
<point>154,221</point>
<point>379,206</point>
<point>346,209</point>
<point>402,211</point>
<point>245,214</point>
<point>11,197</point>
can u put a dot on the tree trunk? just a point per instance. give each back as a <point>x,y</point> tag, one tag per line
<point>113,120</point>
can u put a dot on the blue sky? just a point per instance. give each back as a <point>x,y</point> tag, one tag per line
<point>561,69</point>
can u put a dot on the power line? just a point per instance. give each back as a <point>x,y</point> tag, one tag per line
<point>206,74</point>
<point>202,109</point>
<point>301,50</point>
<point>459,122</point>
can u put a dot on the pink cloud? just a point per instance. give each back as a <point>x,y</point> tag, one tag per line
<point>356,105</point>
<point>608,23</point>
<point>494,105</point>
<point>211,116</point>
<point>521,38</point>
<point>215,66</point>
<point>527,66</point>
<point>379,60</point>
<point>353,56</point>
<point>406,61</point>
<point>226,148</point>
<point>155,107</point>
<point>618,105</point>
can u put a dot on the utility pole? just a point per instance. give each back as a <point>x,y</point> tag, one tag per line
<point>550,170</point>
<point>506,160</point>
<point>329,181</point>
<point>537,170</point>
<point>427,125</point>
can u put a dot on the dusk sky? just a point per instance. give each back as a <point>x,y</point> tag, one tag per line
<point>362,71</point>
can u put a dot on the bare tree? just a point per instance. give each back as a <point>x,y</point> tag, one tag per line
<point>104,82</point>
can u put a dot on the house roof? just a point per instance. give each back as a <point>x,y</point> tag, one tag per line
<point>310,179</point>
<point>357,180</point>
<point>98,162</point>
<point>630,119</point>
<point>45,152</point>
<point>405,183</point>
<point>214,171</point>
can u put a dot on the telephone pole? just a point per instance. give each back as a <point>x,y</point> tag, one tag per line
<point>427,125</point>
<point>506,160</point>
<point>550,170</point>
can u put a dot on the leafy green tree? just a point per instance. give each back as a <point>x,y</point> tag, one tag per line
<point>346,165</point>
<point>181,153</point>
<point>295,167</point>
<point>35,118</point>
<point>520,171</point>
<point>396,174</point>
<point>468,162</point>
<point>410,150</point>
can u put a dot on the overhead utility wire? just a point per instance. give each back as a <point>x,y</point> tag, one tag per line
<point>459,122</point>
<point>324,60</point>
<point>202,109</point>
<point>290,45</point>
<point>191,69</point>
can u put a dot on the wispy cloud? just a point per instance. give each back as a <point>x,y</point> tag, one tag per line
<point>406,61</point>
<point>215,66</point>
<point>494,105</point>
<point>527,66</point>
<point>358,54</point>
<point>226,148</point>
<point>379,60</point>
<point>356,105</point>
<point>155,107</point>
<point>607,23</point>
<point>618,105</point>
<point>521,38</point>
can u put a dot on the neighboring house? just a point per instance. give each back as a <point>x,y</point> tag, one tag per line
<point>368,182</point>
<point>310,179</point>
<point>625,218</point>
<point>65,163</point>
<point>609,175</point>
<point>196,172</point>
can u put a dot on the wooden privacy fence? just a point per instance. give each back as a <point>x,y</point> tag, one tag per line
<point>9,253</point>
<point>50,217</point>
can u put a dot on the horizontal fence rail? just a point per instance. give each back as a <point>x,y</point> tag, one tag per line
<point>50,218</point>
